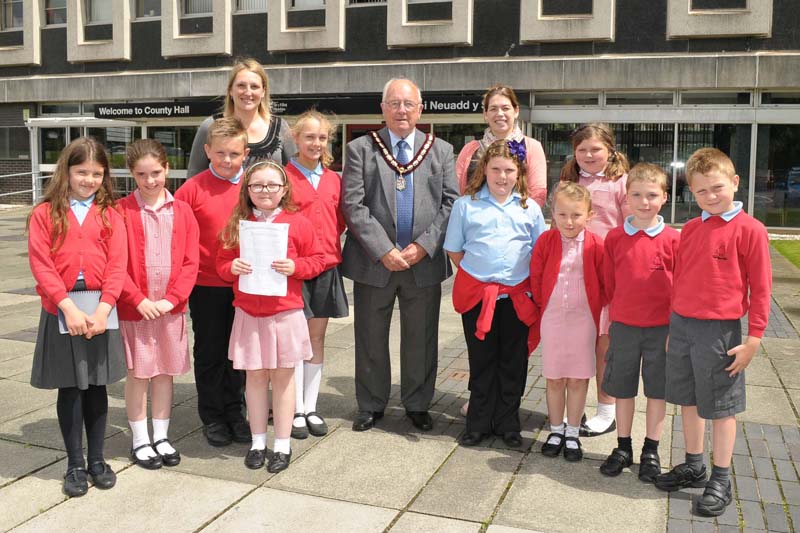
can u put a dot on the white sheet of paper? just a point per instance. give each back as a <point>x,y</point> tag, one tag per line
<point>260,244</point>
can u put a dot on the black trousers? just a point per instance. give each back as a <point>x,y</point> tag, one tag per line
<point>498,367</point>
<point>219,387</point>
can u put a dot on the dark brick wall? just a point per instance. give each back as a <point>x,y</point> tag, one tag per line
<point>19,183</point>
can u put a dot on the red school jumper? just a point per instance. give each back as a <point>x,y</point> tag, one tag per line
<point>642,266</point>
<point>184,258</point>
<point>98,251</point>
<point>308,261</point>
<point>721,263</point>
<point>546,264</point>
<point>321,208</point>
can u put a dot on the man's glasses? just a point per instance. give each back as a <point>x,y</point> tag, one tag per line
<point>261,187</point>
<point>407,105</point>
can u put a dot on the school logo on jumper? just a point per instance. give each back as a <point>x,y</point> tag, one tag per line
<point>720,254</point>
<point>657,263</point>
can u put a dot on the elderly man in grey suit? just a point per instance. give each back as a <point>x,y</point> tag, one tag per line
<point>398,187</point>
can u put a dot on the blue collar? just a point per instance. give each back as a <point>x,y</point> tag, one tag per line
<point>409,139</point>
<point>484,194</point>
<point>630,229</point>
<point>233,180</point>
<point>85,203</point>
<point>308,172</point>
<point>727,216</point>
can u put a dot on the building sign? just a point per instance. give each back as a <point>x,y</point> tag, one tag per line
<point>371,105</point>
<point>156,110</point>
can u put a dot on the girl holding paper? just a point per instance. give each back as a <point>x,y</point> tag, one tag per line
<point>270,336</point>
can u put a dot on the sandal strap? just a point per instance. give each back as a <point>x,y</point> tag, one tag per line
<point>573,439</point>
<point>159,441</point>
<point>299,415</point>
<point>560,436</point>
<point>142,447</point>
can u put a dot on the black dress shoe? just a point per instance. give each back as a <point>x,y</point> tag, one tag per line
<point>240,431</point>
<point>102,475</point>
<point>553,449</point>
<point>318,430</point>
<point>512,439</point>
<point>471,438</point>
<point>586,431</point>
<point>217,434</point>
<point>572,454</point>
<point>169,459</point>
<point>680,477</point>
<point>716,497</point>
<point>278,461</point>
<point>365,420</point>
<point>649,466</point>
<point>76,482</point>
<point>421,420</point>
<point>299,432</point>
<point>152,463</point>
<point>616,462</point>
<point>255,459</point>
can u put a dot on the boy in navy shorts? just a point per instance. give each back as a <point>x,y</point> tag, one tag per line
<point>639,262</point>
<point>722,272</point>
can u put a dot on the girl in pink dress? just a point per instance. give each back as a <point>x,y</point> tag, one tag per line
<point>162,268</point>
<point>598,166</point>
<point>566,270</point>
<point>269,337</point>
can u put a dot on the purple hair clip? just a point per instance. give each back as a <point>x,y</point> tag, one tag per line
<point>517,149</point>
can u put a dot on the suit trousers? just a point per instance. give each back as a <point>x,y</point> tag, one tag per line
<point>419,341</point>
<point>219,386</point>
<point>498,368</point>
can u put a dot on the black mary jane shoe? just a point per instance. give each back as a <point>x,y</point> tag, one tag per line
<point>512,439</point>
<point>76,482</point>
<point>152,463</point>
<point>318,430</point>
<point>553,449</point>
<point>716,497</point>
<point>278,462</point>
<point>169,459</point>
<point>616,462</point>
<point>255,459</point>
<point>471,438</point>
<point>102,475</point>
<point>572,454</point>
<point>299,432</point>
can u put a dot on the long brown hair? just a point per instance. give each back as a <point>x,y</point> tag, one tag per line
<point>251,65</point>
<point>617,161</point>
<point>499,148</point>
<point>244,208</point>
<point>57,193</point>
<point>502,90</point>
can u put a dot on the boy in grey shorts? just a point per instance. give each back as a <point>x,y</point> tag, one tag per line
<point>638,266</point>
<point>722,272</point>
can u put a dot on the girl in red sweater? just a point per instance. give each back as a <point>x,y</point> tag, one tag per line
<point>270,335</point>
<point>316,191</point>
<point>163,255</point>
<point>566,273</point>
<point>77,254</point>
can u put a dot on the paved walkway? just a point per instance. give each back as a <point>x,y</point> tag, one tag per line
<point>393,477</point>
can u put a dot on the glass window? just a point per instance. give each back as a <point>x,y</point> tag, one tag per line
<point>366,2</point>
<point>715,98</point>
<point>52,141</point>
<point>251,5</point>
<point>55,12</point>
<point>197,7</point>
<point>570,99</point>
<point>60,109</point>
<point>177,141</point>
<point>639,99</point>
<point>782,98</point>
<point>10,14</point>
<point>306,4</point>
<point>115,140</point>
<point>14,143</point>
<point>98,11</point>
<point>777,188</point>
<point>459,134</point>
<point>148,8</point>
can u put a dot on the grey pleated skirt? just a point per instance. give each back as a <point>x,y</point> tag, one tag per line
<point>61,360</point>
<point>324,296</point>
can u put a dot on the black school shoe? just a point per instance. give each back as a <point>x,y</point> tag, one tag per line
<point>255,459</point>
<point>553,450</point>
<point>217,434</point>
<point>681,477</point>
<point>151,463</point>
<point>278,462</point>
<point>76,482</point>
<point>169,459</point>
<point>299,432</point>
<point>102,475</point>
<point>715,499</point>
<point>240,431</point>
<point>649,466</point>
<point>616,462</point>
<point>573,454</point>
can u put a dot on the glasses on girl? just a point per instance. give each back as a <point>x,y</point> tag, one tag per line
<point>261,187</point>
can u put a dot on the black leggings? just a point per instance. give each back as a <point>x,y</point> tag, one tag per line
<point>75,408</point>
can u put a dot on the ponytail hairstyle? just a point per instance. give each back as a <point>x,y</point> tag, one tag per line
<point>573,191</point>
<point>142,148</point>
<point>244,208</point>
<point>617,161</point>
<point>326,124</point>
<point>511,150</point>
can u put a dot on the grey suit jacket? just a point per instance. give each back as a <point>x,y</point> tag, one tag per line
<point>369,207</point>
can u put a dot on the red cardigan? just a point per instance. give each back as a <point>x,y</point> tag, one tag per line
<point>100,253</point>
<point>308,260</point>
<point>321,208</point>
<point>546,264</point>
<point>184,258</point>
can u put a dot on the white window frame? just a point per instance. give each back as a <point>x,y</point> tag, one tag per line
<point>87,11</point>
<point>46,9</point>
<point>4,4</point>
<point>239,9</point>
<point>184,15</point>
<point>146,17</point>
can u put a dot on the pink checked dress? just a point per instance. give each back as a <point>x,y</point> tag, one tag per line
<point>160,346</point>
<point>610,206</point>
<point>269,342</point>
<point>567,326</point>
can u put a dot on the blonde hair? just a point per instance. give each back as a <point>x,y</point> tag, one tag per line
<point>226,128</point>
<point>326,123</point>
<point>647,173</point>
<point>251,65</point>
<point>143,148</point>
<point>707,160</point>
<point>244,208</point>
<point>617,161</point>
<point>57,193</point>
<point>501,149</point>
<point>572,191</point>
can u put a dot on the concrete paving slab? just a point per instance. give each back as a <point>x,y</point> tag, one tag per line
<point>371,467</point>
<point>767,405</point>
<point>423,523</point>
<point>18,399</point>
<point>267,509</point>
<point>760,372</point>
<point>20,460</point>
<point>31,495</point>
<point>162,493</point>
<point>12,349</point>
<point>789,370</point>
<point>17,366</point>
<point>8,299</point>
<point>479,476</point>
<point>505,529</point>
<point>779,348</point>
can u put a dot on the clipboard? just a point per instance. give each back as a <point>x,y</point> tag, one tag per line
<point>87,302</point>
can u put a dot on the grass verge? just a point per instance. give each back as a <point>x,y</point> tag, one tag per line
<point>789,249</point>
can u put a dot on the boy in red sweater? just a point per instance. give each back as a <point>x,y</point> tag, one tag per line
<point>722,272</point>
<point>212,195</point>
<point>638,266</point>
